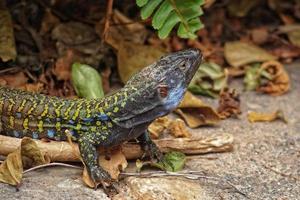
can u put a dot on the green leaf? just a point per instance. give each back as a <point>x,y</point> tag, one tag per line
<point>161,15</point>
<point>86,81</point>
<point>148,9</point>
<point>169,13</point>
<point>251,79</point>
<point>141,3</point>
<point>172,161</point>
<point>165,30</point>
<point>209,80</point>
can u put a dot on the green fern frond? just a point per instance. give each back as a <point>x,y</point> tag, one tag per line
<point>168,13</point>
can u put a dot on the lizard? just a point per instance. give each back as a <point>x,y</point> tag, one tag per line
<point>153,92</point>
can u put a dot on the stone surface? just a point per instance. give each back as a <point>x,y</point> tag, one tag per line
<point>265,163</point>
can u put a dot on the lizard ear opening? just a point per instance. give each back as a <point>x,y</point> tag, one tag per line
<point>163,90</point>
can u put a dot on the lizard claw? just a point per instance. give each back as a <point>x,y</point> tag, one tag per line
<point>155,153</point>
<point>101,177</point>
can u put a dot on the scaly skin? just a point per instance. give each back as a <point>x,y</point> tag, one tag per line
<point>153,92</point>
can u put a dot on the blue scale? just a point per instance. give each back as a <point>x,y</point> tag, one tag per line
<point>50,133</point>
<point>35,135</point>
<point>102,117</point>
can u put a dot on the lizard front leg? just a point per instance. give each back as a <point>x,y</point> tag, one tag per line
<point>150,147</point>
<point>89,156</point>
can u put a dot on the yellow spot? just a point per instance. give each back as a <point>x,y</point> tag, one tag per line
<point>101,111</point>
<point>98,123</point>
<point>11,121</point>
<point>78,127</point>
<point>104,128</point>
<point>108,113</point>
<point>32,108</point>
<point>105,104</point>
<point>44,113</point>
<point>125,95</point>
<point>69,109</point>
<point>58,108</point>
<point>58,126</point>
<point>116,109</point>
<point>78,108</point>
<point>10,106</point>
<point>123,104</point>
<point>109,124</point>
<point>40,126</point>
<point>25,123</point>
<point>116,99</point>
<point>88,110</point>
<point>103,137</point>
<point>93,129</point>
<point>21,107</point>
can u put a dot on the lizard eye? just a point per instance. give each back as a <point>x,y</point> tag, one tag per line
<point>163,90</point>
<point>182,65</point>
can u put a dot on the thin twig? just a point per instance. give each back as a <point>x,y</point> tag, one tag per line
<point>107,19</point>
<point>51,165</point>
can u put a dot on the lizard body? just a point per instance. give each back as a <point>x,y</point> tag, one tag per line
<point>153,92</point>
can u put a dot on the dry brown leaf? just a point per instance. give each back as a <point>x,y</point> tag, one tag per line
<point>177,128</point>
<point>114,165</point>
<point>158,126</point>
<point>131,32</point>
<point>49,21</point>
<point>17,80</point>
<point>280,82</point>
<point>229,104</point>
<point>34,87</point>
<point>62,68</point>
<point>27,155</point>
<point>195,112</point>
<point>266,117</point>
<point>133,57</point>
<point>259,35</point>
<point>7,38</point>
<point>240,53</point>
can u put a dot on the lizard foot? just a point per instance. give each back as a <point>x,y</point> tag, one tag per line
<point>154,153</point>
<point>101,177</point>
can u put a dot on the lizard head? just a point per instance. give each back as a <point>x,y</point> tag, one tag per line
<point>164,83</point>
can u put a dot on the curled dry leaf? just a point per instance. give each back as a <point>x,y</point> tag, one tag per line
<point>266,117</point>
<point>229,104</point>
<point>293,33</point>
<point>178,128</point>
<point>158,126</point>
<point>195,112</point>
<point>115,163</point>
<point>7,38</point>
<point>133,57</point>
<point>240,53</point>
<point>26,155</point>
<point>280,81</point>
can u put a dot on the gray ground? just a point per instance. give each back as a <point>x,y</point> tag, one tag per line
<point>265,163</point>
